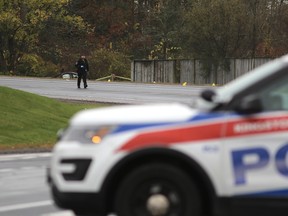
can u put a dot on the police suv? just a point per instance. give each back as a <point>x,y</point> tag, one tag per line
<point>228,156</point>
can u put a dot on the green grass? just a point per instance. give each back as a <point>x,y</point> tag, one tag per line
<point>32,121</point>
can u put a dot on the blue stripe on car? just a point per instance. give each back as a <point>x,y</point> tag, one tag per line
<point>200,117</point>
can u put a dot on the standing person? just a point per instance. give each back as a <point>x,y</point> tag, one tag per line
<point>82,70</point>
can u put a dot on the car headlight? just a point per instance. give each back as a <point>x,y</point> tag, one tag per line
<point>88,135</point>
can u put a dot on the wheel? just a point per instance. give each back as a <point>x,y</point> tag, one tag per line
<point>83,214</point>
<point>157,190</point>
<point>80,214</point>
<point>62,201</point>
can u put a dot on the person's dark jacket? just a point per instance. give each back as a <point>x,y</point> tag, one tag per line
<point>82,65</point>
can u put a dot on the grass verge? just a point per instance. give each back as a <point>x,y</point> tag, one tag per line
<point>32,121</point>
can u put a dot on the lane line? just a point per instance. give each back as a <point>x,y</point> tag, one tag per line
<point>6,170</point>
<point>24,156</point>
<point>25,205</point>
<point>63,213</point>
<point>66,213</point>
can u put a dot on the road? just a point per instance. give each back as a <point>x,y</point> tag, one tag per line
<point>24,191</point>
<point>111,92</point>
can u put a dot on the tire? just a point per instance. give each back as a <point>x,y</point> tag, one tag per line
<point>158,190</point>
<point>82,214</point>
<point>61,203</point>
<point>55,196</point>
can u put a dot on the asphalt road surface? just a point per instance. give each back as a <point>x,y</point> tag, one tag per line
<point>111,92</point>
<point>24,191</point>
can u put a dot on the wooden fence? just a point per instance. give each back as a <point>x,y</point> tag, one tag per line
<point>192,71</point>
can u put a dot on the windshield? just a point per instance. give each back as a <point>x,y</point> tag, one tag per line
<point>225,93</point>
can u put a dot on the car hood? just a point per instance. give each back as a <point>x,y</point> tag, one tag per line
<point>131,114</point>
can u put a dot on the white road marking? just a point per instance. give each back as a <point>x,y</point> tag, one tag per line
<point>62,213</point>
<point>28,168</point>
<point>66,213</point>
<point>25,205</point>
<point>24,156</point>
<point>6,170</point>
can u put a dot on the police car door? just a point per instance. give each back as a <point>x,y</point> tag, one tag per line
<point>256,144</point>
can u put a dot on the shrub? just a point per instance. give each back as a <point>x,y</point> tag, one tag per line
<point>34,65</point>
<point>105,62</point>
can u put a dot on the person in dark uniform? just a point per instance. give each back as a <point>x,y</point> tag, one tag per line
<point>82,70</point>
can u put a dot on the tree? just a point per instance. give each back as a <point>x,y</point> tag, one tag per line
<point>132,27</point>
<point>215,29</point>
<point>110,20</point>
<point>22,23</point>
<point>274,43</point>
<point>105,62</point>
<point>56,32</point>
<point>257,14</point>
<point>165,21</point>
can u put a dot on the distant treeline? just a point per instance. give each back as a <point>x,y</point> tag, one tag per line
<point>42,38</point>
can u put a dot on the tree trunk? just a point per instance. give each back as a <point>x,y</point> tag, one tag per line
<point>3,63</point>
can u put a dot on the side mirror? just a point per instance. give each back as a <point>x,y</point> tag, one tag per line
<point>249,105</point>
<point>60,134</point>
<point>208,95</point>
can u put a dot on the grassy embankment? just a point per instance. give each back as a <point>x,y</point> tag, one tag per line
<point>32,121</point>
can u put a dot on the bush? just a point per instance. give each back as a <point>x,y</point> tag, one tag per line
<point>105,62</point>
<point>34,65</point>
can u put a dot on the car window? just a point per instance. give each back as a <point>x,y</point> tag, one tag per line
<point>228,91</point>
<point>275,96</point>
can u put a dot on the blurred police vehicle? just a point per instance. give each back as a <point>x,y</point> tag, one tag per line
<point>226,157</point>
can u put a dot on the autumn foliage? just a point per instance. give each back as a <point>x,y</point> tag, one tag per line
<point>39,38</point>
